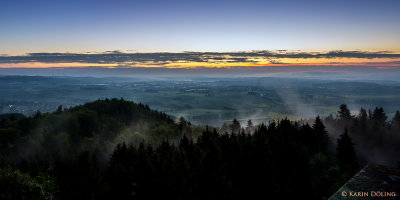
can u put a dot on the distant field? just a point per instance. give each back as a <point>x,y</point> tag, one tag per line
<point>208,101</point>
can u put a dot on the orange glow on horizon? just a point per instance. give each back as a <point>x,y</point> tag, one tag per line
<point>253,62</point>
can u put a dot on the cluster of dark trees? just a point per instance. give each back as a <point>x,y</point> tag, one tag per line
<point>377,139</point>
<point>282,159</point>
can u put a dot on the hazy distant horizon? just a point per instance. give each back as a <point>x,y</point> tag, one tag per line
<point>352,73</point>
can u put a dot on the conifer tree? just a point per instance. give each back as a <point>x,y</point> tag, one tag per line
<point>321,135</point>
<point>235,126</point>
<point>249,127</point>
<point>345,154</point>
<point>396,122</point>
<point>344,112</point>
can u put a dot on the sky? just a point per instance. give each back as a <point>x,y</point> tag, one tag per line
<point>136,27</point>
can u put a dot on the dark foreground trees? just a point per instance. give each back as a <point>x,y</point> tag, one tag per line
<point>376,138</point>
<point>15,184</point>
<point>269,163</point>
<point>279,160</point>
<point>346,157</point>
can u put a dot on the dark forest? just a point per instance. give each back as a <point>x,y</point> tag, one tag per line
<point>117,149</point>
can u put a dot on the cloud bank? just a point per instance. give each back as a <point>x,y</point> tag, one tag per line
<point>209,59</point>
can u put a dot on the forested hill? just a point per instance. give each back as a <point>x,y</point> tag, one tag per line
<point>96,126</point>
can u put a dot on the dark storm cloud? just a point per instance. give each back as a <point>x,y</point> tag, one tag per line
<point>167,57</point>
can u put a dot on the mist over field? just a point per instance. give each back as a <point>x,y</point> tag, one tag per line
<point>206,96</point>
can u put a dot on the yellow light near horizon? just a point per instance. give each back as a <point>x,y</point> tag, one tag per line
<point>253,62</point>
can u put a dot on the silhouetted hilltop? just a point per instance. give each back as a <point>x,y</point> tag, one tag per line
<point>95,126</point>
